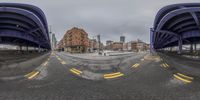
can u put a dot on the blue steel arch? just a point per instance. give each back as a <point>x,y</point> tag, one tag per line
<point>175,25</point>
<point>23,24</point>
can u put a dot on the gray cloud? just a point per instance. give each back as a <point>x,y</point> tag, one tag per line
<point>110,18</point>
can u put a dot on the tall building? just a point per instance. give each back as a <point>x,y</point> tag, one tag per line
<point>109,44</point>
<point>76,40</point>
<point>93,45</point>
<point>53,42</point>
<point>122,39</point>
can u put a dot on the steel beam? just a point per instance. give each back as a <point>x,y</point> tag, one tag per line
<point>195,19</point>
<point>180,43</point>
<point>189,23</point>
<point>27,14</point>
<point>175,13</point>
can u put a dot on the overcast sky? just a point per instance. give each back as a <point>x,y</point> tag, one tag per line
<point>109,18</point>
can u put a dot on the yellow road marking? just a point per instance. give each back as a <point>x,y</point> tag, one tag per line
<point>182,79</point>
<point>136,65</point>
<point>166,64</point>
<point>63,62</point>
<point>59,59</point>
<point>115,76</point>
<point>185,76</point>
<point>44,64</point>
<point>75,71</point>
<point>32,74</point>
<point>112,74</point>
<point>35,74</point>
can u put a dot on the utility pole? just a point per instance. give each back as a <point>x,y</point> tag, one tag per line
<point>50,33</point>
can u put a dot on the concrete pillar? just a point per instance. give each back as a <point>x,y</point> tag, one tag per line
<point>27,48</point>
<point>191,48</point>
<point>180,43</point>
<point>20,48</point>
<point>39,48</point>
<point>195,47</point>
<point>151,41</point>
<point>170,49</point>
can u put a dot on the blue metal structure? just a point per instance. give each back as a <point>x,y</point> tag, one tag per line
<point>24,25</point>
<point>175,25</point>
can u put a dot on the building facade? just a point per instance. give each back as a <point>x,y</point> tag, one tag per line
<point>60,45</point>
<point>108,45</point>
<point>93,45</point>
<point>53,42</point>
<point>122,39</point>
<point>117,46</point>
<point>137,46</point>
<point>75,40</point>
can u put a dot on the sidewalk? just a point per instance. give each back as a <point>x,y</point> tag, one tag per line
<point>94,56</point>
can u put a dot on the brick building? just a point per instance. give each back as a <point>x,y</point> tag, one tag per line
<point>60,45</point>
<point>117,46</point>
<point>76,40</point>
<point>137,46</point>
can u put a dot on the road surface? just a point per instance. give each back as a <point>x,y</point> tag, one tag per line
<point>133,77</point>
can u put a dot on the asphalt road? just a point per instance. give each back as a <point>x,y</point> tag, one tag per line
<point>134,77</point>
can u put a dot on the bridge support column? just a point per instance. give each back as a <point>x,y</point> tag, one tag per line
<point>170,49</point>
<point>152,51</point>
<point>180,43</point>
<point>39,48</point>
<point>195,47</point>
<point>20,48</point>
<point>191,48</point>
<point>27,48</point>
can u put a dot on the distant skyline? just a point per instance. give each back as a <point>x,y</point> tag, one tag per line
<point>109,18</point>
